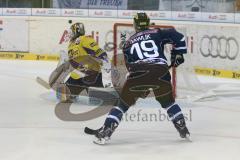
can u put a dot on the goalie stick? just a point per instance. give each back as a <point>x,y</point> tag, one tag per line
<point>55,75</point>
<point>43,83</point>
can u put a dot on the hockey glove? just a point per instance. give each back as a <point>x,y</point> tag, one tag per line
<point>123,37</point>
<point>176,60</point>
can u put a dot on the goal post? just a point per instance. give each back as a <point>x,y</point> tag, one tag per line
<point>183,78</point>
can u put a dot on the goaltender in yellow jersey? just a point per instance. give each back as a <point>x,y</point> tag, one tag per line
<point>85,56</point>
<point>84,53</point>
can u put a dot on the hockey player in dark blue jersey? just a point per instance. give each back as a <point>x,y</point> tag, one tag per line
<point>148,69</point>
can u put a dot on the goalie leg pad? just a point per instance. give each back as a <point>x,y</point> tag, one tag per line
<point>63,93</point>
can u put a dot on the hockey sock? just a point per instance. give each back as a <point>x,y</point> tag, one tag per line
<point>115,115</point>
<point>174,112</point>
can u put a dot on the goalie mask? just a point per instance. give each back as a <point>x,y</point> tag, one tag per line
<point>77,29</point>
<point>141,21</point>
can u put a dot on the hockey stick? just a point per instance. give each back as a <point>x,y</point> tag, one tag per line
<point>53,77</point>
<point>43,83</point>
<point>90,131</point>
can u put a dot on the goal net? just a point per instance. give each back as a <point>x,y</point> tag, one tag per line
<point>184,80</point>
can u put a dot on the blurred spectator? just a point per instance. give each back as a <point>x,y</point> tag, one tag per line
<point>91,4</point>
<point>143,4</point>
<point>237,6</point>
<point>16,3</point>
<point>225,6</point>
<point>25,3</point>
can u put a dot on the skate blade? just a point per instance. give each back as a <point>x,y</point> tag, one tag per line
<point>100,141</point>
<point>188,138</point>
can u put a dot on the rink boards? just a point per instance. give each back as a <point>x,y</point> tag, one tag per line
<point>214,47</point>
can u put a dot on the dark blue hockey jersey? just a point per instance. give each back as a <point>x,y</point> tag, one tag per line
<point>148,45</point>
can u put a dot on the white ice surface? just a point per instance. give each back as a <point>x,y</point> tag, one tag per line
<point>29,129</point>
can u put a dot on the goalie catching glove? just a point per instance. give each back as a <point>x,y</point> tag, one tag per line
<point>176,60</point>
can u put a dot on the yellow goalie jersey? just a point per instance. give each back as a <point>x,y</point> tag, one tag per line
<point>85,53</point>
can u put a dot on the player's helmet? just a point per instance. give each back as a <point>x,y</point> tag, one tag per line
<point>77,30</point>
<point>141,21</point>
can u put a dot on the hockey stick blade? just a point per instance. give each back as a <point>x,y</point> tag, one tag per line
<point>90,131</point>
<point>43,83</point>
<point>98,141</point>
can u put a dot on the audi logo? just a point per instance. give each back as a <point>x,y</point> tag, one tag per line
<point>223,47</point>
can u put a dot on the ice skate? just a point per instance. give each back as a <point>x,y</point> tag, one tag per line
<point>102,136</point>
<point>180,125</point>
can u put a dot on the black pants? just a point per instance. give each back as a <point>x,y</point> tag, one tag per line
<point>93,79</point>
<point>142,77</point>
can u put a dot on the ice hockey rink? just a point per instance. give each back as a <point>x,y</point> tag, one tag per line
<point>30,130</point>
